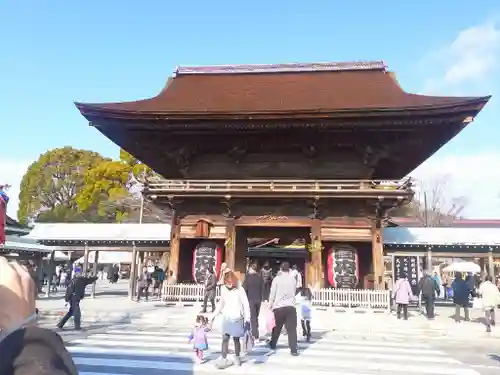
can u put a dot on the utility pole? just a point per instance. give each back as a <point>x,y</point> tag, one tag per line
<point>141,211</point>
<point>426,211</point>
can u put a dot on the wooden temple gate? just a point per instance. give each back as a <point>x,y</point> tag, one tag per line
<point>231,229</point>
<point>311,142</point>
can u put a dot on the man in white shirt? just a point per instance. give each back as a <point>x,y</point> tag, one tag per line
<point>491,298</point>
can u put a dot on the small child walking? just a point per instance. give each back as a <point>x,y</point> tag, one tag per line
<point>305,305</point>
<point>199,337</point>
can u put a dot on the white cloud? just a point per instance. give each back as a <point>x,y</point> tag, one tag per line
<point>476,177</point>
<point>11,173</point>
<point>468,60</point>
<point>466,66</point>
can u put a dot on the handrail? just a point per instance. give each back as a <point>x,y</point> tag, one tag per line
<point>277,186</point>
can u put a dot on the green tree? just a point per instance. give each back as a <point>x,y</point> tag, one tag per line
<point>112,190</point>
<point>50,185</point>
<point>106,185</point>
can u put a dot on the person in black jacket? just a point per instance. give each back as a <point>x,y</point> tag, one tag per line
<point>74,294</point>
<point>429,289</point>
<point>24,348</point>
<point>254,288</point>
<point>267,278</point>
<point>210,289</point>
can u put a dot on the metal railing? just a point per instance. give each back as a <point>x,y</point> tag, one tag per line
<point>291,187</point>
<point>349,299</point>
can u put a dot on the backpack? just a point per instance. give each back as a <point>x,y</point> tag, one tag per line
<point>70,291</point>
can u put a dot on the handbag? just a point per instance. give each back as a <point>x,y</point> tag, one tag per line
<point>248,342</point>
<point>271,322</point>
<point>477,303</point>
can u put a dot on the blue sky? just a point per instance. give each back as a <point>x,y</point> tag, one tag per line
<point>56,52</point>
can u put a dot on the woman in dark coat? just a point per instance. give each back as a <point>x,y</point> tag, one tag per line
<point>461,293</point>
<point>210,289</point>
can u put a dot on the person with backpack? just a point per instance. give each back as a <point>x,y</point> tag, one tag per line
<point>267,277</point>
<point>75,292</point>
<point>428,288</point>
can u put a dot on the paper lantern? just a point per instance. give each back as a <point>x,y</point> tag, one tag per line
<point>343,266</point>
<point>206,254</point>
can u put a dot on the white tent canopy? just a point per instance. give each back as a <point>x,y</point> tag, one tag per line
<point>463,267</point>
<point>108,257</point>
<point>59,256</point>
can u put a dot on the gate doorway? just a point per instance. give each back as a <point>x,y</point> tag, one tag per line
<point>274,245</point>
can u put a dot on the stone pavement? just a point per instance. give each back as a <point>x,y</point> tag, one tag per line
<point>443,326</point>
<point>154,350</point>
<point>121,336</point>
<point>111,306</point>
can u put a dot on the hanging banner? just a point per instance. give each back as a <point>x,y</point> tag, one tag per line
<point>206,254</point>
<point>343,266</point>
<point>407,266</point>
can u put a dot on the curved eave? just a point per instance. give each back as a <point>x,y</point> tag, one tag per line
<point>93,112</point>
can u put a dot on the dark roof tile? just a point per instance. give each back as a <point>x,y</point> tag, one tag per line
<point>281,88</point>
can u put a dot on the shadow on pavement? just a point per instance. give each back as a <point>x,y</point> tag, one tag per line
<point>494,357</point>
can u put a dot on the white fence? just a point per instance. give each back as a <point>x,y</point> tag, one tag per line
<point>349,299</point>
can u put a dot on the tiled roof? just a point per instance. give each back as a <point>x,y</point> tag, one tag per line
<point>462,223</point>
<point>442,236</point>
<point>24,243</point>
<point>104,233</point>
<point>293,89</point>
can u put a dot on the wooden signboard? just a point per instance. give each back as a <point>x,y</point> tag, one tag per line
<point>407,266</point>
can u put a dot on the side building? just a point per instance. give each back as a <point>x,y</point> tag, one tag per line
<point>307,157</point>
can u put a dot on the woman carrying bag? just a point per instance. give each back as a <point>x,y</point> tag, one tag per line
<point>235,311</point>
<point>402,296</point>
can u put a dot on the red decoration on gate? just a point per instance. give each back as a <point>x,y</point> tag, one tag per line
<point>331,262</point>
<point>202,250</point>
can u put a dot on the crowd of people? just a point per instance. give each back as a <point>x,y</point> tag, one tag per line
<point>26,349</point>
<point>240,306</point>
<point>464,290</point>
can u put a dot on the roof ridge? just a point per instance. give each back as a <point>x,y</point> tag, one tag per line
<point>282,68</point>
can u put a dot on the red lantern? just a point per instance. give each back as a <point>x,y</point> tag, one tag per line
<point>343,266</point>
<point>206,253</point>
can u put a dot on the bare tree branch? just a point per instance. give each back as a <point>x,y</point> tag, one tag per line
<point>433,206</point>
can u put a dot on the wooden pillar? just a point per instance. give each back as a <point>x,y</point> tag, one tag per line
<point>377,254</point>
<point>491,265</point>
<point>315,274</point>
<point>96,264</point>
<point>39,261</point>
<point>133,273</point>
<point>50,273</point>
<point>164,260</point>
<point>429,260</point>
<point>175,242</point>
<point>239,253</point>
<point>69,263</point>
<point>85,259</point>
<point>482,265</point>
<point>230,244</point>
